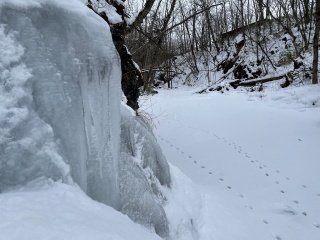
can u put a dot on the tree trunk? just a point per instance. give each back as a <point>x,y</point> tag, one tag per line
<point>131,79</point>
<point>316,45</point>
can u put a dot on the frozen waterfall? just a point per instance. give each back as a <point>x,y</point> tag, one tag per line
<point>70,99</point>
<point>60,111</point>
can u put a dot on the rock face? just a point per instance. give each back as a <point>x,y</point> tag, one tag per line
<point>60,90</point>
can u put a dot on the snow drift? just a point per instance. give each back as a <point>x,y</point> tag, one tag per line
<point>60,111</point>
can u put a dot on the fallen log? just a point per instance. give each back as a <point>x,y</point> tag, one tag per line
<point>251,83</point>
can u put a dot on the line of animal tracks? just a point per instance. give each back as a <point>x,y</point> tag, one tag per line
<point>202,152</point>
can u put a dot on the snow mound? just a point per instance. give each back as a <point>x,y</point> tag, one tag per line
<point>54,210</point>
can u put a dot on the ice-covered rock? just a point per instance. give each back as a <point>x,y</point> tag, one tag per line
<point>60,111</point>
<point>143,172</point>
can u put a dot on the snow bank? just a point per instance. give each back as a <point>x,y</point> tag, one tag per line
<point>59,211</point>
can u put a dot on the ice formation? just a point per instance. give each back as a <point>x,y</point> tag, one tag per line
<point>60,111</point>
<point>143,172</point>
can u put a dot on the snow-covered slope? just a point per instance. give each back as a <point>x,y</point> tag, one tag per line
<point>60,119</point>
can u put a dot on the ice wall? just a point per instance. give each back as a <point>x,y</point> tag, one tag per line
<point>60,94</point>
<point>60,111</point>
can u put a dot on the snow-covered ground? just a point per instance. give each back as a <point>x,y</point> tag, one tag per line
<point>253,159</point>
<point>47,210</point>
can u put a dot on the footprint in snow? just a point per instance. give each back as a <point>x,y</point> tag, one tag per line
<point>190,157</point>
<point>202,166</point>
<point>229,187</point>
<point>267,174</point>
<point>221,179</point>
<point>278,171</point>
<point>276,182</point>
<point>304,213</point>
<point>296,202</point>
<point>260,167</point>
<point>241,196</point>
<point>252,161</point>
<point>178,149</point>
<point>318,194</point>
<point>265,221</point>
<point>304,186</point>
<point>182,152</point>
<point>278,237</point>
<point>317,225</point>
<point>282,191</point>
<point>210,172</point>
<point>287,178</point>
<point>195,161</point>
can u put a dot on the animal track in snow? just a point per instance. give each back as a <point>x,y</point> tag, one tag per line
<point>304,213</point>
<point>267,174</point>
<point>296,202</point>
<point>317,225</point>
<point>276,182</point>
<point>190,156</point>
<point>287,178</point>
<point>304,186</point>
<point>265,221</point>
<point>195,161</point>
<point>281,191</point>
<point>278,237</point>
<point>229,187</point>
<point>210,172</point>
<point>202,166</point>
<point>221,179</point>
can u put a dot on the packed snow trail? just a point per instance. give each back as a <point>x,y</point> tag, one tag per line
<point>257,164</point>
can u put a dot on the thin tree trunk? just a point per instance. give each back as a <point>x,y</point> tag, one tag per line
<point>316,45</point>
